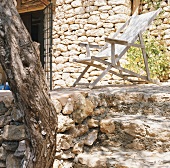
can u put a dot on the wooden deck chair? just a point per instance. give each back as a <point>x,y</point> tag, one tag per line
<point>115,48</point>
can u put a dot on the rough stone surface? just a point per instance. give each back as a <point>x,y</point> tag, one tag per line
<point>119,124</point>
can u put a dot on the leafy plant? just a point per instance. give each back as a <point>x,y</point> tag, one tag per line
<point>158,59</point>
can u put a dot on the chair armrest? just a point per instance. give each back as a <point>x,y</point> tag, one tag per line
<point>116,41</point>
<point>123,42</point>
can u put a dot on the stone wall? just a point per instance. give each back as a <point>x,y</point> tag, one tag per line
<point>12,132</point>
<point>83,21</point>
<point>99,128</point>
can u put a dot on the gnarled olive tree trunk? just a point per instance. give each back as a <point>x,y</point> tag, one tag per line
<point>21,64</point>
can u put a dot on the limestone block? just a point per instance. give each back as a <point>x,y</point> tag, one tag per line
<point>81,21</point>
<point>78,148</point>
<point>3,153</point>
<point>108,25</point>
<point>60,60</point>
<point>65,76</point>
<point>58,67</point>
<point>2,164</point>
<point>91,138</point>
<point>83,16</point>
<point>12,161</point>
<point>94,161</point>
<point>119,2</point>
<point>83,107</point>
<point>91,39</point>
<point>20,152</point>
<point>134,129</point>
<point>104,16</point>
<point>68,108</point>
<point>166,8</point>
<point>56,41</point>
<point>68,1</point>
<point>73,47</point>
<point>64,27</point>
<point>66,7</point>
<point>88,3</point>
<point>93,19</point>
<point>60,83</point>
<point>71,37</point>
<point>61,47</point>
<point>100,2</point>
<point>79,130</point>
<point>118,18</point>
<point>10,145</point>
<point>95,32</point>
<point>63,142</point>
<point>69,82</point>
<point>13,132</point>
<point>92,123</point>
<point>166,36</point>
<point>59,2</point>
<point>121,9</point>
<point>105,8</point>
<point>167,42</point>
<point>16,114</point>
<point>70,69</point>
<point>107,126</point>
<point>164,15</point>
<point>57,106</point>
<point>80,32</point>
<point>79,10</point>
<point>67,155</point>
<point>163,26</point>
<point>74,27</point>
<point>70,20</point>
<point>89,26</point>
<point>167,31</point>
<point>64,123</point>
<point>91,8</point>
<point>76,3</point>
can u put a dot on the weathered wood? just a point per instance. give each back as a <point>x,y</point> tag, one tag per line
<point>135,8</point>
<point>144,56</point>
<point>26,78</point>
<point>81,75</point>
<point>100,76</point>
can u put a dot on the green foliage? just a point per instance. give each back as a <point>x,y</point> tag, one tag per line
<point>152,3</point>
<point>158,59</point>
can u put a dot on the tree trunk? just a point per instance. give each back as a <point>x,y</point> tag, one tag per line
<point>26,78</point>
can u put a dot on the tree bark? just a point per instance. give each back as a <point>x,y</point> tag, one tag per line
<point>26,78</point>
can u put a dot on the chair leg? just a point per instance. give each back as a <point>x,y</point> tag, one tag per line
<point>81,75</point>
<point>144,57</point>
<point>100,76</point>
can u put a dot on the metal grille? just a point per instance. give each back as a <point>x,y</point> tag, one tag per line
<point>48,23</point>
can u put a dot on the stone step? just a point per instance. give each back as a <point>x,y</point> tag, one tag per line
<point>117,158</point>
<point>136,132</point>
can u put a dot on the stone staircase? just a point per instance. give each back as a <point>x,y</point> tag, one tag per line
<point>126,127</point>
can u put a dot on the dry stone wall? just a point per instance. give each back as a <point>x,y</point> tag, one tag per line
<point>78,21</point>
<point>99,128</point>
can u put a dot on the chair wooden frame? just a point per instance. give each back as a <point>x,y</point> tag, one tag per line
<point>113,66</point>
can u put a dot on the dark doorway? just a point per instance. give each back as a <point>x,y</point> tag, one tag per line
<point>39,24</point>
<point>34,22</point>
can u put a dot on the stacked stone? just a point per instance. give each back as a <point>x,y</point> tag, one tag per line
<point>161,27</point>
<point>78,21</point>
<point>95,128</point>
<point>12,133</point>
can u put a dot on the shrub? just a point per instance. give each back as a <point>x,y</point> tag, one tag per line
<point>158,59</point>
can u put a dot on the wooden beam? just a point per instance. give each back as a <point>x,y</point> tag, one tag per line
<point>135,7</point>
